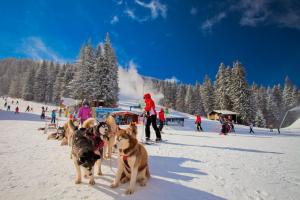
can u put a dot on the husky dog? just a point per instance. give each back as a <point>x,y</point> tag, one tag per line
<point>58,135</point>
<point>132,162</point>
<point>87,149</point>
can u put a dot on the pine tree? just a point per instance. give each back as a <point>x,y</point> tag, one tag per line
<point>40,84</point>
<point>240,92</point>
<point>199,109</point>
<point>28,93</point>
<point>288,94</point>
<point>52,73</point>
<point>260,120</point>
<point>221,89</point>
<point>207,95</point>
<point>189,100</point>
<point>110,63</point>
<point>180,98</point>
<point>59,85</point>
<point>69,76</point>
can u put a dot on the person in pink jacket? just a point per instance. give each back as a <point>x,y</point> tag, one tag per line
<point>84,112</point>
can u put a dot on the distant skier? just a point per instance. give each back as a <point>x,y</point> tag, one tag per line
<point>151,118</point>
<point>198,123</point>
<point>85,111</point>
<point>17,102</point>
<point>27,109</point>
<point>17,110</point>
<point>251,128</point>
<point>53,116</point>
<point>5,104</point>
<point>43,113</point>
<point>161,116</point>
<point>8,108</point>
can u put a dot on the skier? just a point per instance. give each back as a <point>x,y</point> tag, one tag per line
<point>161,116</point>
<point>8,108</point>
<point>251,128</point>
<point>43,113</point>
<point>150,113</point>
<point>85,111</point>
<point>5,104</point>
<point>17,110</point>
<point>53,116</point>
<point>17,102</point>
<point>27,109</point>
<point>198,122</point>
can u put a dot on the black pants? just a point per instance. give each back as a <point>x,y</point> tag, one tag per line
<point>161,125</point>
<point>53,120</point>
<point>152,120</point>
<point>251,130</point>
<point>199,127</point>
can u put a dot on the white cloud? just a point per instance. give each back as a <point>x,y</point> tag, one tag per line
<point>256,12</point>
<point>194,11</point>
<point>209,23</point>
<point>133,86</point>
<point>114,20</point>
<point>35,48</point>
<point>157,9</point>
<point>130,13</point>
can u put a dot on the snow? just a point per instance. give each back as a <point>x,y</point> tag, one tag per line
<point>189,165</point>
<point>295,125</point>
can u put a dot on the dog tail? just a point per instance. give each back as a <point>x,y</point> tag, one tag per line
<point>89,123</point>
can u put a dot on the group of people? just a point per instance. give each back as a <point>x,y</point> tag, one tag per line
<point>8,107</point>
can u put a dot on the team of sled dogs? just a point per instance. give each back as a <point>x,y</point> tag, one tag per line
<point>95,141</point>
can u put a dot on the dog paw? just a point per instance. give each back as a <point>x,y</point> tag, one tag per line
<point>129,191</point>
<point>114,185</point>
<point>77,181</point>
<point>92,182</point>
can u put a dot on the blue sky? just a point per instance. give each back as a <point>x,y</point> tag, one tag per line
<point>176,38</point>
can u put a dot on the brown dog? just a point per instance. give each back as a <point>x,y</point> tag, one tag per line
<point>132,162</point>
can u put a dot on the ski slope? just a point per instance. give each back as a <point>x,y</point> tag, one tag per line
<point>189,165</point>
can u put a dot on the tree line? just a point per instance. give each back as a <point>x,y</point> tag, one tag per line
<point>263,106</point>
<point>94,75</point>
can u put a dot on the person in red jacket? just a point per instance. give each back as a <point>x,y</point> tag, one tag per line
<point>151,117</point>
<point>161,116</point>
<point>198,122</point>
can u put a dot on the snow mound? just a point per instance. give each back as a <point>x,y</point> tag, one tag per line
<point>295,125</point>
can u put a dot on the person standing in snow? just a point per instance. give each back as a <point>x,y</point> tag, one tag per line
<point>27,109</point>
<point>198,123</point>
<point>17,110</point>
<point>251,128</point>
<point>8,107</point>
<point>43,113</point>
<point>53,116</point>
<point>85,111</point>
<point>161,116</point>
<point>5,104</point>
<point>151,117</point>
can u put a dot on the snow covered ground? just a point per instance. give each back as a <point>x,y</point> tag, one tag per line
<point>189,165</point>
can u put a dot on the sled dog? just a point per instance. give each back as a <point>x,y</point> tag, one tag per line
<point>87,149</point>
<point>132,162</point>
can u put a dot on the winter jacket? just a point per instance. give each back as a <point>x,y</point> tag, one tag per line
<point>53,114</point>
<point>198,119</point>
<point>150,106</point>
<point>161,115</point>
<point>84,113</point>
